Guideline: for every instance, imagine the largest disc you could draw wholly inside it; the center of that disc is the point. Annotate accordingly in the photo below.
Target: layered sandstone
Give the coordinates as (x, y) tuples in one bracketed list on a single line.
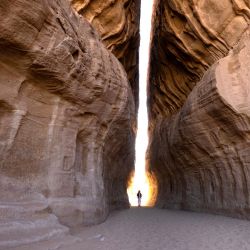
[(188, 37), (200, 107), (117, 21), (67, 115)]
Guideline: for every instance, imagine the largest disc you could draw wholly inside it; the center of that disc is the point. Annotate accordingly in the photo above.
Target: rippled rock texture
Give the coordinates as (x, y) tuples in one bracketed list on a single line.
[(67, 117), (117, 21), (200, 105), (188, 37)]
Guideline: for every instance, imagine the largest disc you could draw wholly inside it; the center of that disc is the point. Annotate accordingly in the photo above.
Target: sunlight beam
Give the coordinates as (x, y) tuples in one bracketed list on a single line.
[(140, 179)]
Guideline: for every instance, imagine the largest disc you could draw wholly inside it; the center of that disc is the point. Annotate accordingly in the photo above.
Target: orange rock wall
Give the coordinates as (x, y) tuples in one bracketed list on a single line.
[(67, 114), (117, 22), (188, 37), (199, 105)]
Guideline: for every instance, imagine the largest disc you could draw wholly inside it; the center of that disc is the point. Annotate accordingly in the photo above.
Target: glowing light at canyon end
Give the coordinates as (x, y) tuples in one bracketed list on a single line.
[(140, 179)]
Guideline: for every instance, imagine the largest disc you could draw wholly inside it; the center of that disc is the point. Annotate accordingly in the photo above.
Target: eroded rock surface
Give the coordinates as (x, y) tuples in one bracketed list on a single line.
[(205, 159), (188, 37), (117, 21), (199, 129), (66, 116)]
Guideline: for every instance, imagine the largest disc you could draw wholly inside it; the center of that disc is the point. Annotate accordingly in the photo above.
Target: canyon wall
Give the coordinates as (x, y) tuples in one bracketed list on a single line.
[(67, 123), (117, 21), (199, 105)]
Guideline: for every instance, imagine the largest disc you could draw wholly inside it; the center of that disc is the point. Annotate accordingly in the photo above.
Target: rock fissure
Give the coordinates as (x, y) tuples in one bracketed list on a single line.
[(69, 80)]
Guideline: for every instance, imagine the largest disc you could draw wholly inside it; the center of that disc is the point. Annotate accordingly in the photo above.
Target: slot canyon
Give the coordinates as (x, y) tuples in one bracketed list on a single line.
[(69, 101)]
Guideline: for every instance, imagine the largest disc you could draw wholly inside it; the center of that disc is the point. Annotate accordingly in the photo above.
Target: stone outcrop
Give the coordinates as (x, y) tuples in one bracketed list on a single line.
[(117, 21), (67, 118), (188, 37), (200, 107)]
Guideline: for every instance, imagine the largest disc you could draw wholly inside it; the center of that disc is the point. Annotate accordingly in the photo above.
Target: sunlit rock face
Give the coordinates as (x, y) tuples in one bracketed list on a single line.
[(117, 21), (66, 116), (200, 105)]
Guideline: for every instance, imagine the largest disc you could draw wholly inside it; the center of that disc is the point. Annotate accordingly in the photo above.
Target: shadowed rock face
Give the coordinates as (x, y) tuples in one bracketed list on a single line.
[(117, 21), (199, 105), (188, 37), (66, 115)]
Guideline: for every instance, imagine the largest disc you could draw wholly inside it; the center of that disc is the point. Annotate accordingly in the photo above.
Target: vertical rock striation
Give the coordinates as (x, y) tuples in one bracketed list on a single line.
[(199, 105), (117, 21), (67, 118)]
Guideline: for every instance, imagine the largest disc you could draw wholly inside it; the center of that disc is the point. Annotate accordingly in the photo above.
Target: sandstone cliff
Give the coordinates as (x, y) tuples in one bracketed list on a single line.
[(67, 119), (188, 37), (117, 21), (199, 105)]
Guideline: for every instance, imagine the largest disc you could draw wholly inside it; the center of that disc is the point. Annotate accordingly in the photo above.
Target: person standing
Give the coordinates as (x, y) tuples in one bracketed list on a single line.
[(139, 196)]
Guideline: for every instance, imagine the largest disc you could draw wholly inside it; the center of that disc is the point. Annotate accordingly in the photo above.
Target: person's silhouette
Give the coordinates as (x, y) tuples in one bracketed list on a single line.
[(139, 196)]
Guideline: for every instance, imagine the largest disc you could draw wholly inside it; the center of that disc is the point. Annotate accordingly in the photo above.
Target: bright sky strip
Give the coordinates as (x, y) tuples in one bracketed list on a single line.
[(140, 181)]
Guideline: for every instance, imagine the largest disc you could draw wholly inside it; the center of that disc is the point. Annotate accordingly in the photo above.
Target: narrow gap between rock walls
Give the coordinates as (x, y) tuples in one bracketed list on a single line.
[(140, 178)]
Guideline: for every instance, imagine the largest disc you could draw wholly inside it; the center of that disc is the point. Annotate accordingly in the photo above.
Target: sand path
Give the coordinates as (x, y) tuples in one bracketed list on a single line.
[(156, 229)]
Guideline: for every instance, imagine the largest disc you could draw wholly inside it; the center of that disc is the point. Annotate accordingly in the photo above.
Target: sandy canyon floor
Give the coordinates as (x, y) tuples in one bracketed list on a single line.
[(156, 229)]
